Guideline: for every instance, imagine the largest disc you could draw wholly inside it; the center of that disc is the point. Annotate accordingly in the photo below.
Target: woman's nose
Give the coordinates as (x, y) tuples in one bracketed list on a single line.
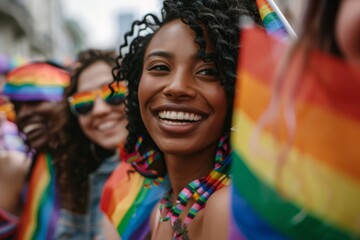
[(180, 86), (100, 107)]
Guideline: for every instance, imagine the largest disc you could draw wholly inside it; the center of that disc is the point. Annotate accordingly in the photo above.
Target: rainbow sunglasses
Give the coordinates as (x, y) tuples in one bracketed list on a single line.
[(83, 102)]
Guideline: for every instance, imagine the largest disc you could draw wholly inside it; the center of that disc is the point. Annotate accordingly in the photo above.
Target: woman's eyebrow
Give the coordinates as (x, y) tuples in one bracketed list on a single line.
[(160, 54)]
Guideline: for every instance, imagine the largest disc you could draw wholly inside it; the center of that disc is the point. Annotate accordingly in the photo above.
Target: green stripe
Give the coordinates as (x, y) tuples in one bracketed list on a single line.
[(270, 17), (44, 197), (139, 198), (277, 211)]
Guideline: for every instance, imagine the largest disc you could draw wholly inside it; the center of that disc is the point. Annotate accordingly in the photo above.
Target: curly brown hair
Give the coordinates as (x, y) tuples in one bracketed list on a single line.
[(78, 160)]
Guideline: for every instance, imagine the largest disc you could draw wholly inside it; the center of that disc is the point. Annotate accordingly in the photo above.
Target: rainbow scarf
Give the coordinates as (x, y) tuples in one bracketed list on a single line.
[(42, 202), (36, 82), (299, 176), (274, 21), (128, 202)]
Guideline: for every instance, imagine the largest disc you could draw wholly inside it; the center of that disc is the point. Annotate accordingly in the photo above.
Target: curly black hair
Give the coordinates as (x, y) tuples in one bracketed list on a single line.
[(219, 18), (78, 160)]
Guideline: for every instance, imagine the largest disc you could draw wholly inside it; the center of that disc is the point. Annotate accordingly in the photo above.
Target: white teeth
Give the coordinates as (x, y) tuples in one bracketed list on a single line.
[(106, 125), (174, 123), (179, 116), (31, 127)]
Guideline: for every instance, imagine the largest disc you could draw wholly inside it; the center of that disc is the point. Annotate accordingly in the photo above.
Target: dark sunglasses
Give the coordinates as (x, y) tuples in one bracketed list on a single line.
[(82, 103)]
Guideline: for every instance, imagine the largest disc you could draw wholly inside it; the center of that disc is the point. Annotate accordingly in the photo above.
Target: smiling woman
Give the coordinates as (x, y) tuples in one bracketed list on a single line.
[(181, 73), (36, 90), (95, 129)]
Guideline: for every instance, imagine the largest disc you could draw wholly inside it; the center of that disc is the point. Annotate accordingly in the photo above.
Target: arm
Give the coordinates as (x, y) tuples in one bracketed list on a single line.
[(13, 169), (216, 215)]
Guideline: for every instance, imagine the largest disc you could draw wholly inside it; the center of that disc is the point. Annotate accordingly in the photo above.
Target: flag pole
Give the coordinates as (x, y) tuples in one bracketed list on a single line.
[(287, 26)]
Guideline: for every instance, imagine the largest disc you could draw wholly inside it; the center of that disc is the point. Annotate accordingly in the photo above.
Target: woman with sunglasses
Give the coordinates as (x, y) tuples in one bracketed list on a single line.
[(96, 127)]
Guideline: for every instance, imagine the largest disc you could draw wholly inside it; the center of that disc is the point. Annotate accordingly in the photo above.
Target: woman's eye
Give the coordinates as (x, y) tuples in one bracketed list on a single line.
[(159, 68), (209, 72)]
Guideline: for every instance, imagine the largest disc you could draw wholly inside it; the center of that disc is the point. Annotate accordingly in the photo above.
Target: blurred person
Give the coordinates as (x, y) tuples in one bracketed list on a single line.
[(180, 70), (96, 129), (297, 128), (36, 90)]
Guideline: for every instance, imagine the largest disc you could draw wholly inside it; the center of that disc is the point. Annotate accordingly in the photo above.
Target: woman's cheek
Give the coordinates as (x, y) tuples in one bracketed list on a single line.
[(348, 29)]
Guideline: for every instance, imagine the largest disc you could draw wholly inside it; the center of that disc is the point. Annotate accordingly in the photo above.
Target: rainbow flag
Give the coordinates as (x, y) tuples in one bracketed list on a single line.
[(274, 21), (297, 175), (42, 202), (128, 203), (36, 81)]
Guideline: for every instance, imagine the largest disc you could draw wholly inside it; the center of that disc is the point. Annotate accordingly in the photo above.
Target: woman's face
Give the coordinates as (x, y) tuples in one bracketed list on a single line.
[(348, 29), (105, 124), (182, 103), (38, 120)]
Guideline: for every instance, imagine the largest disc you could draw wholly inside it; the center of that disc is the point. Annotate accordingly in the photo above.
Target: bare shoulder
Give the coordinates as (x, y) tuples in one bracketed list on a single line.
[(216, 215)]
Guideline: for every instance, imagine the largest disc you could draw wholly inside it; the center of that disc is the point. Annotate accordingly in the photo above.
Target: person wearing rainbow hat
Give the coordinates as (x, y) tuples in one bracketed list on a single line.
[(36, 89)]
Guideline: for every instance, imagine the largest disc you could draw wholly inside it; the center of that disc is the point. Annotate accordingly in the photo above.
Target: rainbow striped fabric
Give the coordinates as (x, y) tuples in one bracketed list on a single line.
[(298, 176), (36, 81), (128, 203), (274, 22), (38, 220)]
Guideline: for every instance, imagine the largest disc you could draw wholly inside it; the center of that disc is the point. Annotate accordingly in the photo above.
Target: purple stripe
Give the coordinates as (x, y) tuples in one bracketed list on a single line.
[(35, 97), (54, 216), (142, 232)]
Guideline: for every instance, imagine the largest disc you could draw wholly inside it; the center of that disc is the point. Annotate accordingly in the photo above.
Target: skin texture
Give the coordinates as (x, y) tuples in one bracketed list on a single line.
[(174, 79), (105, 124), (37, 120), (14, 166), (348, 30)]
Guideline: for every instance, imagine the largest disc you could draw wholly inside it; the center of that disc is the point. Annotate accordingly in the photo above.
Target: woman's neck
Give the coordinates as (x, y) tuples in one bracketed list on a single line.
[(183, 169)]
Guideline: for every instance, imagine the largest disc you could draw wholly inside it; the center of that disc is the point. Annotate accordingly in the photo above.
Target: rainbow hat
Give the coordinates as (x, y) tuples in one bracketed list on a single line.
[(36, 81)]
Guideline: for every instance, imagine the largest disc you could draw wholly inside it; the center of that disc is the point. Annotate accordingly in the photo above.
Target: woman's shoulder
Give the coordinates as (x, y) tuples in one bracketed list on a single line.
[(218, 201), (216, 215)]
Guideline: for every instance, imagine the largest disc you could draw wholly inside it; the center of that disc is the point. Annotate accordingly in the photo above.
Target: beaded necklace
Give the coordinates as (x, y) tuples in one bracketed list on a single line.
[(199, 190)]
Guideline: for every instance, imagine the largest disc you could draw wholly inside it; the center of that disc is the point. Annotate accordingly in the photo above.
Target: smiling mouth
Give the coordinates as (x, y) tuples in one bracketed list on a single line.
[(107, 125), (31, 127), (179, 118)]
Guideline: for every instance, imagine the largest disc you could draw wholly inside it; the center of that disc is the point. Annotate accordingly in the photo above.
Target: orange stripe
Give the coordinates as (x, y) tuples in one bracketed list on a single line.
[(329, 137), (112, 187), (43, 72)]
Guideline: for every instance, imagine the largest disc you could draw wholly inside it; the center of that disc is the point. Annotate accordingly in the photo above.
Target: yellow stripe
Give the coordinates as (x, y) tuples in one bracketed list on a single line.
[(122, 207), (43, 81), (264, 10), (321, 190)]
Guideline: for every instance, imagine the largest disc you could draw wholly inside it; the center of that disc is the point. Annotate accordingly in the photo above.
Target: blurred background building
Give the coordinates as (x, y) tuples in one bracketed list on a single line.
[(58, 29), (37, 29)]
